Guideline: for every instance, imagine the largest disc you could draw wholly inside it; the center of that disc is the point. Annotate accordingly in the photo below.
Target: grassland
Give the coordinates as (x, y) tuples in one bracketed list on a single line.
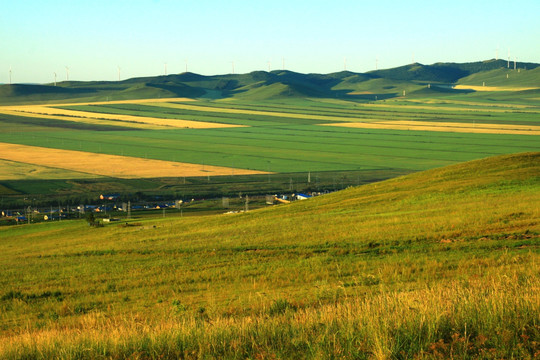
[(439, 264)]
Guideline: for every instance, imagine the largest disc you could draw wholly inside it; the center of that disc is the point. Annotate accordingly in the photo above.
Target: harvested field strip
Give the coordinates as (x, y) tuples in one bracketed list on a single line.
[(73, 115), (445, 126), (110, 165), (492, 88)]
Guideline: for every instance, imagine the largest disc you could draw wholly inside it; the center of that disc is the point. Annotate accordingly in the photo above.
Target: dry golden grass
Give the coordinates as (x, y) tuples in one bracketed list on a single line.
[(492, 88), (444, 126), (50, 112), (110, 165)]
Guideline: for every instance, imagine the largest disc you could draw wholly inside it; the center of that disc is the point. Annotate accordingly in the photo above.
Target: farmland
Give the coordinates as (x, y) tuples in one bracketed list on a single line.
[(357, 144)]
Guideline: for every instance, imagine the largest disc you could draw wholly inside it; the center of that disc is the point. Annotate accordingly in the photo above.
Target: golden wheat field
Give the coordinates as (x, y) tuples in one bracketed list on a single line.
[(492, 88), (50, 112), (110, 165), (444, 126)]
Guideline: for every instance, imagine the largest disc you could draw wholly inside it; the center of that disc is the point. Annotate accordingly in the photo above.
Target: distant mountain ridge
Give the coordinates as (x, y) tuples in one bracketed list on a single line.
[(263, 85)]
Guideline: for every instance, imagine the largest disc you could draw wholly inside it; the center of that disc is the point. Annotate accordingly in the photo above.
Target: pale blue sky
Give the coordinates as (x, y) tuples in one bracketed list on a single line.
[(93, 38)]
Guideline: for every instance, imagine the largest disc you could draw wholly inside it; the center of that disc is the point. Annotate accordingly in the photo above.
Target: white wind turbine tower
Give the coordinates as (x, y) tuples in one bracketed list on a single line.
[(376, 63), (269, 63), (232, 62), (283, 63), (186, 64), (345, 63), (119, 73), (54, 79), (165, 69), (67, 73), (10, 75), (508, 64)]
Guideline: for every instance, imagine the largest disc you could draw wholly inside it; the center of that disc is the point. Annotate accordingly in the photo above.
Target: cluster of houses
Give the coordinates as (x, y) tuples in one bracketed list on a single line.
[(110, 205)]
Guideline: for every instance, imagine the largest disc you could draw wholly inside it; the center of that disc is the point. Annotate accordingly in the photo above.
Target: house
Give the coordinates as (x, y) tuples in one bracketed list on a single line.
[(109, 196)]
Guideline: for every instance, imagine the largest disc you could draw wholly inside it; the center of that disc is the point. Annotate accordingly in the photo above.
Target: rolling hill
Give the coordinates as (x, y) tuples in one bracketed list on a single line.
[(436, 264), (262, 85)]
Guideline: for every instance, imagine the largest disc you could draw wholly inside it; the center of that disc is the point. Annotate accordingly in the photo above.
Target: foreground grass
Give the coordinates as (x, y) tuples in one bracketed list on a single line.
[(492, 318), (433, 265)]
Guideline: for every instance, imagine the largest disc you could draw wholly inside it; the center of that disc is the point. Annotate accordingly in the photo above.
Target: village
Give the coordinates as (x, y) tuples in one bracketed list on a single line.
[(110, 208)]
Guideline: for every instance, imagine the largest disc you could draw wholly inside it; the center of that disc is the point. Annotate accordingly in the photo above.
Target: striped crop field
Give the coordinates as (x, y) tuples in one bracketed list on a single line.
[(57, 113), (285, 136)]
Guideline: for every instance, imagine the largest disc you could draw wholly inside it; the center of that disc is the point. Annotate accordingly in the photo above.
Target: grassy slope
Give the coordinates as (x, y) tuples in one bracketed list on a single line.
[(498, 77), (442, 263)]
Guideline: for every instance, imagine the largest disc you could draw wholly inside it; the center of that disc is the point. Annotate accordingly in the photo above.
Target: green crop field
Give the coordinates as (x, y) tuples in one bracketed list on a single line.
[(287, 136), (437, 264)]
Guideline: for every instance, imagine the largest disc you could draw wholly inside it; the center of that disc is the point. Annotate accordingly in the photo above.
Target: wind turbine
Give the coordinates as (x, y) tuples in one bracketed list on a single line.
[(54, 79), (10, 75), (376, 63), (165, 69), (186, 64), (232, 62), (283, 63), (269, 63), (119, 73), (67, 73), (345, 63), (508, 64)]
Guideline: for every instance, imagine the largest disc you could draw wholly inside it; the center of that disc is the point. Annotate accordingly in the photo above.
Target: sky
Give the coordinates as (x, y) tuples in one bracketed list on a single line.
[(97, 38)]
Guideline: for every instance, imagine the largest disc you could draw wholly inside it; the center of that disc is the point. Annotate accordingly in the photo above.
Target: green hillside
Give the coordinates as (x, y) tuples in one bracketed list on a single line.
[(504, 78), (438, 264), (278, 84)]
